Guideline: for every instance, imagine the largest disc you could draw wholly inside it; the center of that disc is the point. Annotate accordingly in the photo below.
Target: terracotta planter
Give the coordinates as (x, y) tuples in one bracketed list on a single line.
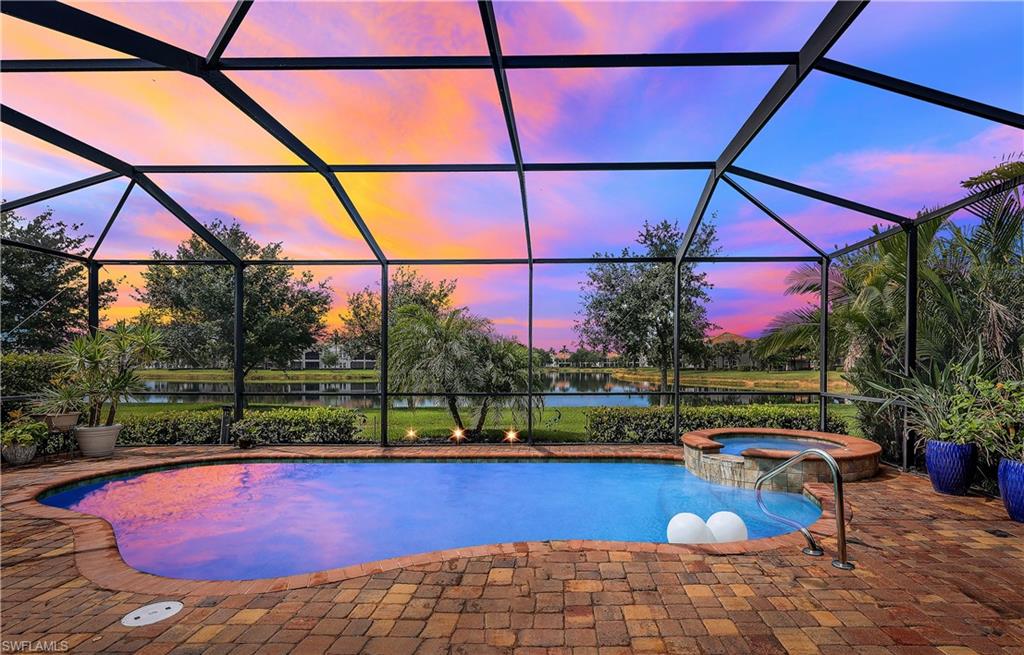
[(61, 422), (98, 441), (18, 454)]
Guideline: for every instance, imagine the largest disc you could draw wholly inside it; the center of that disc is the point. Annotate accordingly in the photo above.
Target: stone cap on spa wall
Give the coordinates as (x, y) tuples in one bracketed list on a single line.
[(853, 447)]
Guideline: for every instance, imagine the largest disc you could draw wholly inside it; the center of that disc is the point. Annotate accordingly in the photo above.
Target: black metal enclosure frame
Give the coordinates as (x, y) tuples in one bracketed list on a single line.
[(149, 54)]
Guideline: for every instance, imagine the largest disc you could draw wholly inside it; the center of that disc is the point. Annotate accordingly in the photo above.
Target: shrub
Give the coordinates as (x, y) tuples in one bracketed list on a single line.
[(176, 427), (300, 425), (654, 424), (24, 374), (23, 433)]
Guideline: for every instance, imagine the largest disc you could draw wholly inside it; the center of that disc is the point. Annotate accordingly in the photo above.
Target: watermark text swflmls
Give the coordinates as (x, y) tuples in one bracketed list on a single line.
[(37, 646)]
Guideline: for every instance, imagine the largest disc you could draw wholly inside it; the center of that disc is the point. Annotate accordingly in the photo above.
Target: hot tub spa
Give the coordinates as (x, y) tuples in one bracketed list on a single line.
[(738, 456), (268, 518)]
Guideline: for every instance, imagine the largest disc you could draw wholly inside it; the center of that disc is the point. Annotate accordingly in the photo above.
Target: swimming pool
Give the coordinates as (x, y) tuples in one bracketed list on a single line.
[(258, 519), (736, 445)]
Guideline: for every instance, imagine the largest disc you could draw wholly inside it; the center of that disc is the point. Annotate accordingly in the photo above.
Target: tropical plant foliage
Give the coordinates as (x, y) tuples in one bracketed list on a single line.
[(451, 353), (101, 369), (971, 299)]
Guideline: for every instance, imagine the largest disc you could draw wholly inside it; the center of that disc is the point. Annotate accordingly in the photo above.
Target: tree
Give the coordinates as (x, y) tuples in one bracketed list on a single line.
[(284, 311), (628, 308), (450, 353), (44, 301), (360, 329)]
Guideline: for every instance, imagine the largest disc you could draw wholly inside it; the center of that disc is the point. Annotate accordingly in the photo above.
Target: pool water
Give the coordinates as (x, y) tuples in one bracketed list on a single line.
[(232, 521), (736, 445)]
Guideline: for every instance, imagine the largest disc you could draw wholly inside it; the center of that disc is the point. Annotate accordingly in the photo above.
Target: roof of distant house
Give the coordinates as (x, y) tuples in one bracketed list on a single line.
[(729, 337)]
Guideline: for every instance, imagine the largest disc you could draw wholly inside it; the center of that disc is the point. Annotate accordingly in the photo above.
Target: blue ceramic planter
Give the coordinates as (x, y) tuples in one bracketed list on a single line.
[(951, 466), (1011, 488)]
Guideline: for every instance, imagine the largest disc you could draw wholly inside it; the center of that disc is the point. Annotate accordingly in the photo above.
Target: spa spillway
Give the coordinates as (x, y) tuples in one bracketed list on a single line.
[(738, 456)]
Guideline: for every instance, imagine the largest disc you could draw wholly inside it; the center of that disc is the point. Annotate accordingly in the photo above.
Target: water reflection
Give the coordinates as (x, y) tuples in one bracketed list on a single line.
[(262, 519), (362, 395)]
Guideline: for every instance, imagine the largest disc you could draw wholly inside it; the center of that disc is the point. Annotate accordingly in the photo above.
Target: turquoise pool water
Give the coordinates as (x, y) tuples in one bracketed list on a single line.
[(258, 519), (736, 445)]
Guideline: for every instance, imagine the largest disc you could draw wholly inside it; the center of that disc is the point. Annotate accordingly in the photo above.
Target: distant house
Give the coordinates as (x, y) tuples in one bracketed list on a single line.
[(332, 356), (730, 351), (735, 351)]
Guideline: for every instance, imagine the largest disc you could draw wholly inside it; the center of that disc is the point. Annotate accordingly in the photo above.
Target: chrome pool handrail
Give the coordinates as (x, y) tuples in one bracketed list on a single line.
[(840, 562)]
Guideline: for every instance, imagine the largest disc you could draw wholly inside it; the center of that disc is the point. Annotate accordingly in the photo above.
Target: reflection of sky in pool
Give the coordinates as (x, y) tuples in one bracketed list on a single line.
[(264, 519), (736, 445)]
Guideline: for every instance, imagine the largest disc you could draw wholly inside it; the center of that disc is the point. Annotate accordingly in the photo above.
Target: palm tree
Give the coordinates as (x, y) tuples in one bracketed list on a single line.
[(436, 354), (452, 353)]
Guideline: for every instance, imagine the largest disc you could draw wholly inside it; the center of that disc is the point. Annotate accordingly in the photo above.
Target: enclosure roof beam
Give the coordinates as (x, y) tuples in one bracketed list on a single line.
[(919, 92), (43, 250), (89, 27), (433, 168), (840, 17), (820, 195), (55, 137), (941, 212), (83, 25), (417, 62), (874, 238), (60, 190), (966, 202), (231, 25), (113, 217), (494, 47), (775, 217)]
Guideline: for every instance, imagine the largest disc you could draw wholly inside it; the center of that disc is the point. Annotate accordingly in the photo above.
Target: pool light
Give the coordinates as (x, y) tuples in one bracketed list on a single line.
[(511, 436), (458, 435), (410, 435)]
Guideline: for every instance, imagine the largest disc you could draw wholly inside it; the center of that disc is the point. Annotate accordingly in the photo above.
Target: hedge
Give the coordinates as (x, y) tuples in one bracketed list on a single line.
[(24, 374), (301, 425), (178, 427), (654, 424), (283, 425)]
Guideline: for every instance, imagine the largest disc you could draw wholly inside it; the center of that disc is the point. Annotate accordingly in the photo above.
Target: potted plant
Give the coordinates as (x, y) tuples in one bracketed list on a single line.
[(1006, 441), (60, 406), (941, 408), (102, 367), (20, 438)]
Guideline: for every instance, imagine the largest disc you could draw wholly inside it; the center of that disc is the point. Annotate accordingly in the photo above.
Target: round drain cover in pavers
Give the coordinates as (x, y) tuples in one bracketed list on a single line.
[(151, 613)]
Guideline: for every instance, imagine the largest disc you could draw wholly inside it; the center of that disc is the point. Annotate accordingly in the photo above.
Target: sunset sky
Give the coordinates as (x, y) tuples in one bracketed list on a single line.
[(834, 135)]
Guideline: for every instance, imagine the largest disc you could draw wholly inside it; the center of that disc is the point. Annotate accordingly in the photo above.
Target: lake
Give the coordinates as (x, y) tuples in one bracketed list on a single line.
[(563, 390)]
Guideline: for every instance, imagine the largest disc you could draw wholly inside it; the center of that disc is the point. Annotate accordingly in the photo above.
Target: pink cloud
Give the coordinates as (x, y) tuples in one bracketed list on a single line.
[(914, 178)]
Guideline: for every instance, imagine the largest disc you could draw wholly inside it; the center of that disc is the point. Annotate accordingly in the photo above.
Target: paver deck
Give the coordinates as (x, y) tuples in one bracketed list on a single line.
[(935, 574)]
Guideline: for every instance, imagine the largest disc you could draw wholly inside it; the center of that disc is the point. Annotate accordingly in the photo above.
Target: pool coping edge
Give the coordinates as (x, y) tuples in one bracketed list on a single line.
[(98, 558)]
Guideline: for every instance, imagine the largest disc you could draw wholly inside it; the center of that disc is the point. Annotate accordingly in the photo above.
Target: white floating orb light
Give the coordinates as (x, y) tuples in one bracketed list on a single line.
[(687, 528), (727, 526)]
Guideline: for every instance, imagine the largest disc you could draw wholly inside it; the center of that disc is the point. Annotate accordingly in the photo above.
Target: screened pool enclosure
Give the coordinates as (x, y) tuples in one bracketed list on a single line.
[(480, 145)]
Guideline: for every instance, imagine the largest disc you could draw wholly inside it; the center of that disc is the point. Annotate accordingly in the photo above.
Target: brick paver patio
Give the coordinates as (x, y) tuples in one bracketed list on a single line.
[(934, 574)]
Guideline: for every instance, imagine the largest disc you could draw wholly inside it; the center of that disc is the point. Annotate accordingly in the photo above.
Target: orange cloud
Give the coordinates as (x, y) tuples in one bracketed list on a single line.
[(145, 118), (397, 116)]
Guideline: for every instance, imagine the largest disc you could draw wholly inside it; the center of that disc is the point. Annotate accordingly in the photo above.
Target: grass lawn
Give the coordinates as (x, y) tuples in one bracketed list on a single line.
[(749, 380), (555, 424)]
